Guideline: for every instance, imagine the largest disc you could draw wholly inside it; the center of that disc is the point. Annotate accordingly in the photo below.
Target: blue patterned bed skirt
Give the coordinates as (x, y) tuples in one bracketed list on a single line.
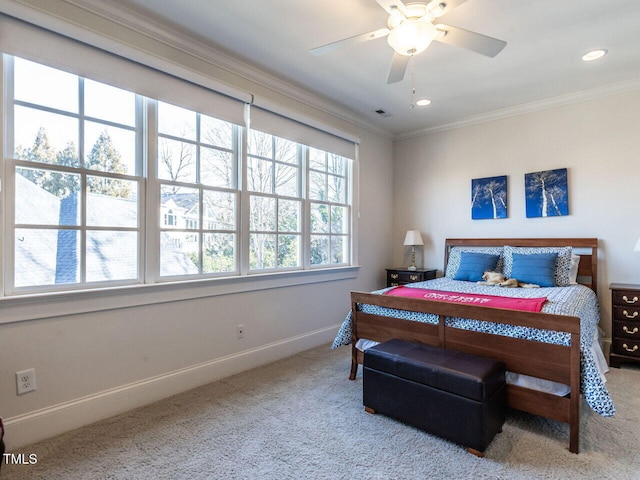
[(574, 300)]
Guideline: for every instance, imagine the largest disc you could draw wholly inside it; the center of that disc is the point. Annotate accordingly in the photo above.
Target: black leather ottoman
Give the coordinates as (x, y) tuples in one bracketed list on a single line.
[(457, 396)]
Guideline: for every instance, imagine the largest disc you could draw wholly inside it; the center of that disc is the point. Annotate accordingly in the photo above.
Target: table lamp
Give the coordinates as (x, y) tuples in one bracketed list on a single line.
[(413, 238)]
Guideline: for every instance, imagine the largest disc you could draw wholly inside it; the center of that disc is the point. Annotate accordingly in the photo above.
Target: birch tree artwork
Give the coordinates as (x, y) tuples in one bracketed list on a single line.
[(547, 193), (489, 197)]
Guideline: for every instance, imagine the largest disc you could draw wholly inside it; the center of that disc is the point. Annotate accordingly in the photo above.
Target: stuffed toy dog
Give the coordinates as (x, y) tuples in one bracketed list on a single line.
[(497, 278)]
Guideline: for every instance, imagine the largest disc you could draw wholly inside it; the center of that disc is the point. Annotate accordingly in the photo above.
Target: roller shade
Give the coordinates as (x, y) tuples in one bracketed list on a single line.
[(297, 131), (39, 45), (25, 40)]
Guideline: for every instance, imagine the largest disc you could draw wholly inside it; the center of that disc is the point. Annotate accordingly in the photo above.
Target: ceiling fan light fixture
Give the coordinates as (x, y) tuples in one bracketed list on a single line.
[(412, 36), (436, 9)]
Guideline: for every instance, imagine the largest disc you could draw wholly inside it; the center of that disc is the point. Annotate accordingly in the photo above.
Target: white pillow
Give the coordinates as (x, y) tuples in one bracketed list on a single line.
[(573, 269)]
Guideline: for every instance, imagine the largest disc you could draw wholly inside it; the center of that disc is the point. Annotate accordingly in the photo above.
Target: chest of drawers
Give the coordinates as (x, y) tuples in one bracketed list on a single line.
[(402, 276), (625, 313)]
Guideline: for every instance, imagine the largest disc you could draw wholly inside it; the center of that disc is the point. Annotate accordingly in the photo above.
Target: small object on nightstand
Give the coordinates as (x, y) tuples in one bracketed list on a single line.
[(402, 276), (625, 317)]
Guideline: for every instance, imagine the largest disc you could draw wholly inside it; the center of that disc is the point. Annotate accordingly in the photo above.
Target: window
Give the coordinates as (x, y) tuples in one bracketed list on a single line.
[(197, 168), (107, 187), (76, 196), (169, 217), (330, 212), (273, 178)]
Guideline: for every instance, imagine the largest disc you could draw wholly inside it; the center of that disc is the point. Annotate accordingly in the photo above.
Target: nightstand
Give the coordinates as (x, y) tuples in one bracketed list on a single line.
[(625, 318), (402, 276)]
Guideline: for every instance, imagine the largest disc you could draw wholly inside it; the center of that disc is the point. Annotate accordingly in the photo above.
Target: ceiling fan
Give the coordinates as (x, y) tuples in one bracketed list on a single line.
[(411, 29)]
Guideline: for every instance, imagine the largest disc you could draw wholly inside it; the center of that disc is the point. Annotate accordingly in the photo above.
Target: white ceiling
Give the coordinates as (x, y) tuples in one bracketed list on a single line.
[(542, 59)]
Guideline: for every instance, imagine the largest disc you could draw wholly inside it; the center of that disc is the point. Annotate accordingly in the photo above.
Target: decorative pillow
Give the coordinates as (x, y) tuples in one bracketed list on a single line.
[(562, 267), (453, 262), (536, 268), (573, 269), (454, 258), (473, 265)]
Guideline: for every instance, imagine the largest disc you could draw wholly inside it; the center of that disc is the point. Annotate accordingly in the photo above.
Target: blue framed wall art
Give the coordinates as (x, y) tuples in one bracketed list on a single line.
[(489, 197), (547, 193)]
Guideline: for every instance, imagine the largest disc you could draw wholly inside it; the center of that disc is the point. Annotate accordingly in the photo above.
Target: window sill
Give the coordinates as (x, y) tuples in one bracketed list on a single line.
[(37, 306)]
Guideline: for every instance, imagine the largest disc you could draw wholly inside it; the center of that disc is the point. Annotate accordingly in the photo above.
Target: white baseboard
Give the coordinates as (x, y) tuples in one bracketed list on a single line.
[(23, 430)]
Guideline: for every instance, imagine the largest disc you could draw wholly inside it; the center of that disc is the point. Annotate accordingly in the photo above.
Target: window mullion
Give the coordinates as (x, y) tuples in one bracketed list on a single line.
[(200, 230), (142, 164), (7, 171), (200, 226), (244, 209), (83, 184), (83, 228), (353, 176), (305, 225), (152, 207)]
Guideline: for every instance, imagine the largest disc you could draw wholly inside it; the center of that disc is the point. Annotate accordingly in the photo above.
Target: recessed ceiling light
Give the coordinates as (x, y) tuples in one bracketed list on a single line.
[(594, 55), (423, 102)]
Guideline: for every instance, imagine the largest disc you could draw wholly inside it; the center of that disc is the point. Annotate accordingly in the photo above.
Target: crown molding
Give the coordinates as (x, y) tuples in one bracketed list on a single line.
[(532, 107), (54, 13), (189, 44)]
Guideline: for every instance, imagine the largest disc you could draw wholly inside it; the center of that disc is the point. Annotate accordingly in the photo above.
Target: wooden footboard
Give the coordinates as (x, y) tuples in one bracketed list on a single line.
[(542, 360)]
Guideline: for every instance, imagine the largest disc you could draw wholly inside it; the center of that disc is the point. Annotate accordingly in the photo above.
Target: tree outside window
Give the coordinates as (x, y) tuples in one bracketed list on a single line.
[(81, 181)]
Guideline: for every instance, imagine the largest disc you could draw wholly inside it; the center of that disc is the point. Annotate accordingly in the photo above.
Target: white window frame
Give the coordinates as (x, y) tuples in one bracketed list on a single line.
[(12, 164), (153, 178), (348, 204), (16, 307), (301, 198)]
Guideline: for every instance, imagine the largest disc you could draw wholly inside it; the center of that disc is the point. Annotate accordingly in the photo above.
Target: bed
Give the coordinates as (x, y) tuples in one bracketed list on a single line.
[(551, 356)]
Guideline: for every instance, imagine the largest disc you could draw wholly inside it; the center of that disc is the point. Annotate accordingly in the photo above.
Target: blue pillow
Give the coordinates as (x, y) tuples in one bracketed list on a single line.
[(454, 258), (563, 263), (473, 265), (536, 268)]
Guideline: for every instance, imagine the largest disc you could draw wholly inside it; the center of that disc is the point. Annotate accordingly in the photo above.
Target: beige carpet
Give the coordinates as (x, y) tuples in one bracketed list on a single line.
[(302, 418)]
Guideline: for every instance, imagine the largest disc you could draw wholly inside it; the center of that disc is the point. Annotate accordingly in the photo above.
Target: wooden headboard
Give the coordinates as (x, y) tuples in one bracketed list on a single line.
[(587, 248)]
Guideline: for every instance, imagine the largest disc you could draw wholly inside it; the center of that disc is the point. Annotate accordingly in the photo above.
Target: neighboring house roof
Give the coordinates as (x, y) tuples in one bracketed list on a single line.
[(185, 201), (38, 205), (49, 256), (35, 250)]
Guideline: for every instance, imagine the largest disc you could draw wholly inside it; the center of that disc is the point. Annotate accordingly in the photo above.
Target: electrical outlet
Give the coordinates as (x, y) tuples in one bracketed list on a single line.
[(240, 331), (26, 381)]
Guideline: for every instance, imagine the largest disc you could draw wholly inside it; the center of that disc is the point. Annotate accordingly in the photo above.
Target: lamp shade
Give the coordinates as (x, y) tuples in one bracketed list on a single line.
[(637, 247), (413, 237)]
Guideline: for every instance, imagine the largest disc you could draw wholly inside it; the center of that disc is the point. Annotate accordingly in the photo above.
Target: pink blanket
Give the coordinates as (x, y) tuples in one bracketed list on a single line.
[(527, 304)]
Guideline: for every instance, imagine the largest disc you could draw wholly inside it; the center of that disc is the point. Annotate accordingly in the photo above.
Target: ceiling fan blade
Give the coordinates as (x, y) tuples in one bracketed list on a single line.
[(398, 68), (363, 37), (473, 41), (446, 6), (392, 5)]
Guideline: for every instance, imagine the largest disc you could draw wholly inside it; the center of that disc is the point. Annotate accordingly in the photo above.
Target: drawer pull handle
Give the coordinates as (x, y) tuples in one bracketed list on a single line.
[(630, 332), (626, 299), (416, 277), (626, 314), (626, 347), (394, 275)]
